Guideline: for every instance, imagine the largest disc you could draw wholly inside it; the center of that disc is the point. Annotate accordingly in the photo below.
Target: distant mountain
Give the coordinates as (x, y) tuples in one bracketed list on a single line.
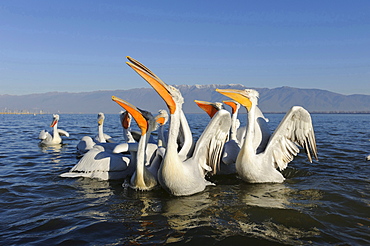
[(271, 100)]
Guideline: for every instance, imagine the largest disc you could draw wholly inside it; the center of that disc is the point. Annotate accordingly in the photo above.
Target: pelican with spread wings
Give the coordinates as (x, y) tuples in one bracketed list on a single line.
[(295, 130)]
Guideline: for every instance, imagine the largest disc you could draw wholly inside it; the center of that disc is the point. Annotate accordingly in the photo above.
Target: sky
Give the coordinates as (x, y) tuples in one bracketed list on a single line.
[(81, 46)]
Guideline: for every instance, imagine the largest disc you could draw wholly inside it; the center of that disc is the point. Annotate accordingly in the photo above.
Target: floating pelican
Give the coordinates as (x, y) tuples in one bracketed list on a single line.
[(231, 149), (178, 177), (47, 138), (125, 118), (102, 137), (162, 119), (99, 161), (295, 129), (87, 143), (145, 176)]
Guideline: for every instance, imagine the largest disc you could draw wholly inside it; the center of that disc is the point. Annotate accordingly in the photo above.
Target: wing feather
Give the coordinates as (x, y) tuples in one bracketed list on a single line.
[(209, 147), (63, 133), (295, 130)]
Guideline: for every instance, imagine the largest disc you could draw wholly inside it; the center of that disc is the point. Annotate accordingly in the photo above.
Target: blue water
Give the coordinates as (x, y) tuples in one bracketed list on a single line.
[(326, 202)]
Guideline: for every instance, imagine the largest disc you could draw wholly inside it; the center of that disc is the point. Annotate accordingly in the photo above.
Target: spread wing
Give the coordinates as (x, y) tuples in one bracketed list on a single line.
[(294, 130), (209, 147), (63, 133), (45, 135)]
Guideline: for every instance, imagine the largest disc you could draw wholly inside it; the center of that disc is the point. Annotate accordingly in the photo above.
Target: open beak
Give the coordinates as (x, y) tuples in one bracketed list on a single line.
[(135, 113), (232, 104), (126, 120), (159, 86), (208, 107), (237, 95)]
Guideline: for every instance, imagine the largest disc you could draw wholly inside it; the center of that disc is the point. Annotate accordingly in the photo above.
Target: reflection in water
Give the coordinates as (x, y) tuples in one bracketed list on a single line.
[(265, 195), (186, 213), (270, 215), (55, 151)]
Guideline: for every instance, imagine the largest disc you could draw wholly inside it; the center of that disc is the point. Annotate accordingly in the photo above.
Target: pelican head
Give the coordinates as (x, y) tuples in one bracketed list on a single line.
[(101, 118), (125, 118), (162, 117), (209, 107), (55, 120)]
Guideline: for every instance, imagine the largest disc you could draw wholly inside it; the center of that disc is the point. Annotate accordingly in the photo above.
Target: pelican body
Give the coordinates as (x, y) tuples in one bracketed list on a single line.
[(55, 139), (294, 130)]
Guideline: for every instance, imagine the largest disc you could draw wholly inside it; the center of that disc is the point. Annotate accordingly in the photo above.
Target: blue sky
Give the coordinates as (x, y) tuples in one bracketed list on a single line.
[(77, 46)]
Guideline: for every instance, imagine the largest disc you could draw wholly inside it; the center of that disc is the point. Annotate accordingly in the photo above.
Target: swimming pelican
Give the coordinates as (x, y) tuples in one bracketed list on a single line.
[(145, 176), (162, 119), (230, 152), (47, 138), (295, 129), (125, 118), (87, 143), (232, 147), (99, 161), (178, 177)]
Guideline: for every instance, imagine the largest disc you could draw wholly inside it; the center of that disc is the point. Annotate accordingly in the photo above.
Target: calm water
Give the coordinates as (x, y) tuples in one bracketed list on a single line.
[(326, 202)]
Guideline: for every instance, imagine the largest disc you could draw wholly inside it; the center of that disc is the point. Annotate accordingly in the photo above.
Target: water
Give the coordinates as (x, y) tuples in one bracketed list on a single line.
[(326, 202)]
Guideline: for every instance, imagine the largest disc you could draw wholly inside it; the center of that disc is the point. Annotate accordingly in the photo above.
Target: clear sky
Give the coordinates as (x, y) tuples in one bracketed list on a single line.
[(76, 46)]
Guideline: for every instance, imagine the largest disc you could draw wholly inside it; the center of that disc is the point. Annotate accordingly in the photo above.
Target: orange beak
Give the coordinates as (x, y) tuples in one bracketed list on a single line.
[(159, 86), (207, 107), (232, 104), (135, 112), (237, 95)]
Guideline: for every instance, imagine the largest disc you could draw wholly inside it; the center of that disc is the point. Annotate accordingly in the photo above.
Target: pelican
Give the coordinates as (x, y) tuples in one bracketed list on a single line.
[(162, 119), (145, 176), (128, 135), (294, 130), (231, 149), (99, 161), (87, 143), (185, 177), (102, 137), (47, 138)]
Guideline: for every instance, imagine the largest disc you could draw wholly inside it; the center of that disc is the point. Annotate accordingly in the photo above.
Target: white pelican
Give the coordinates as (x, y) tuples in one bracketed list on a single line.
[(47, 138), (145, 176), (230, 152), (125, 118), (232, 147), (87, 143), (102, 137), (295, 129), (178, 177), (162, 119), (99, 161)]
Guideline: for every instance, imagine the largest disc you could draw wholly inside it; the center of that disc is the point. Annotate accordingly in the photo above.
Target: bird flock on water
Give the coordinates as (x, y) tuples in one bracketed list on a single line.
[(177, 163)]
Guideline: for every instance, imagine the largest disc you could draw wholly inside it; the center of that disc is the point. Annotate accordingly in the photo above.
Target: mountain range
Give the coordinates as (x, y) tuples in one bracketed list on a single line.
[(276, 100)]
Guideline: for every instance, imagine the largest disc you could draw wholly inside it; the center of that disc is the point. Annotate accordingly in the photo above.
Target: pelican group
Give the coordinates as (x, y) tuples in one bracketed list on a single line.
[(182, 166)]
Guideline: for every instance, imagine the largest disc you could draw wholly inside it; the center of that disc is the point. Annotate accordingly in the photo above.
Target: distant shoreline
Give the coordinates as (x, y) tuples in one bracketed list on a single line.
[(20, 113)]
